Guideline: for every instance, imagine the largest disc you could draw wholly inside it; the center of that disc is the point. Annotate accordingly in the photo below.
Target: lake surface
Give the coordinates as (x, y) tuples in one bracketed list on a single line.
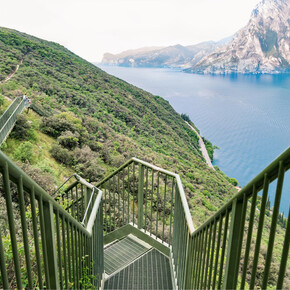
[(248, 117)]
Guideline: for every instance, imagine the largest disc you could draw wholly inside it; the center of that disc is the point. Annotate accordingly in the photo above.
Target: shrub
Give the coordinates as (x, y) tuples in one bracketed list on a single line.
[(24, 152), (68, 139), (22, 129), (61, 154)]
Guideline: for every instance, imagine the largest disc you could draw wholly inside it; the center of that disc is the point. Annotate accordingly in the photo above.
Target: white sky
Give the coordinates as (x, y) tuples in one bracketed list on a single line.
[(90, 28)]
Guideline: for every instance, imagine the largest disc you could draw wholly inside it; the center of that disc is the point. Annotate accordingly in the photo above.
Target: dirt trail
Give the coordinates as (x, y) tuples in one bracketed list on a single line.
[(202, 147), (12, 74)]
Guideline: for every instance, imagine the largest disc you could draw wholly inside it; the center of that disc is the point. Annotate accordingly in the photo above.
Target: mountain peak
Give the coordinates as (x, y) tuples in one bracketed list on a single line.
[(262, 46)]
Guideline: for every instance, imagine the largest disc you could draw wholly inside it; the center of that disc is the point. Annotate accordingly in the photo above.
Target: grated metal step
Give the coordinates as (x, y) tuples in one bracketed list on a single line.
[(150, 271), (122, 253)]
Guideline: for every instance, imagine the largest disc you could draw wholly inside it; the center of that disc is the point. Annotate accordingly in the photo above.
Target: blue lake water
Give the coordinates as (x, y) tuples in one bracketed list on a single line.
[(247, 116)]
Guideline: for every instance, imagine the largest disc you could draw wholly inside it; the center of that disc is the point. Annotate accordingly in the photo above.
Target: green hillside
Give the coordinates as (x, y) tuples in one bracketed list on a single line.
[(96, 122)]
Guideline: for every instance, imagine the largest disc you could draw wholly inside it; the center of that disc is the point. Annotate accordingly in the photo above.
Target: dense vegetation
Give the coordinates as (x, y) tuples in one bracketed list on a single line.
[(92, 122), (99, 121)]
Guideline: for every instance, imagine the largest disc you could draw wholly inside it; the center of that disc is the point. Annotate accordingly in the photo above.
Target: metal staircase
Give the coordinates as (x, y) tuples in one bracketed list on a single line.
[(9, 117), (134, 230)]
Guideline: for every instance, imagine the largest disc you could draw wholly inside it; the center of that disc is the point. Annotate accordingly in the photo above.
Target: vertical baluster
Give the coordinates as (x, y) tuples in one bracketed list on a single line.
[(146, 199), (4, 278), (171, 211), (199, 260), (119, 195), (43, 242), (223, 248), (57, 221), (50, 245), (189, 262), (283, 263), (68, 250), (82, 201), (151, 212), (133, 193), (64, 252), (260, 231), (198, 242), (217, 251), (129, 191), (11, 224), (273, 224), (114, 201), (212, 250), (73, 255), (105, 206), (164, 207), (205, 251), (194, 253), (76, 257), (208, 253), (234, 244), (123, 195), (249, 237), (80, 255), (24, 230), (77, 204), (157, 203), (140, 196)]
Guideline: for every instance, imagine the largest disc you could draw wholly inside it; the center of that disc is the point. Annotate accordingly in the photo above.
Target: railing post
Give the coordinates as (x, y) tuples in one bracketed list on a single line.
[(50, 245), (140, 196), (235, 240), (188, 262)]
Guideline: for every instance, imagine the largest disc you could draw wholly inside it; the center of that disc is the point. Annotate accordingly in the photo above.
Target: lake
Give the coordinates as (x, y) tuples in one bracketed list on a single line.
[(246, 116)]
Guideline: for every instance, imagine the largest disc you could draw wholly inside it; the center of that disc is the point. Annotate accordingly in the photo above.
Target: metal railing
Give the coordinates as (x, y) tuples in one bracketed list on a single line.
[(5, 116), (77, 198), (41, 244), (219, 254), (9, 117), (59, 244)]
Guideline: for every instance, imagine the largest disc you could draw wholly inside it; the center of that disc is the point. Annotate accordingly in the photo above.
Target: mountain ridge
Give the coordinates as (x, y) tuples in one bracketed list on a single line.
[(262, 46)]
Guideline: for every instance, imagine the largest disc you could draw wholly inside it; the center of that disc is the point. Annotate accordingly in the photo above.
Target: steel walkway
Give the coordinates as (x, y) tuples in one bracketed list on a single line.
[(133, 264), (134, 230)]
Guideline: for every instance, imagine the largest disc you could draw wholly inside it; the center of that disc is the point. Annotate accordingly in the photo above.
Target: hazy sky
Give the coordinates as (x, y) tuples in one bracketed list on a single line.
[(90, 28)]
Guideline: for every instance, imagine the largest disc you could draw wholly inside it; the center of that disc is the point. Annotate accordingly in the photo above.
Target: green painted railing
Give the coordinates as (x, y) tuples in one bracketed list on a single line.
[(57, 241), (5, 116), (9, 117), (225, 251), (45, 246)]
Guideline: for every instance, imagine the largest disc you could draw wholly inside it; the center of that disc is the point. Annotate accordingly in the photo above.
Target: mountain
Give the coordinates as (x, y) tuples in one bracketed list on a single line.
[(94, 122), (262, 46), (176, 56)]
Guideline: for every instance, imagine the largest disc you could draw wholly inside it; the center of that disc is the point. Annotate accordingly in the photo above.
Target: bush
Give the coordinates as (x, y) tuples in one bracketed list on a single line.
[(68, 139), (61, 154), (57, 124), (24, 152), (22, 129)]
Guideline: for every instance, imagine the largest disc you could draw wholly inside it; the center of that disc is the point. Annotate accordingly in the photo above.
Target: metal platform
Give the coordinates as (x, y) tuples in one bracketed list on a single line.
[(134, 264)]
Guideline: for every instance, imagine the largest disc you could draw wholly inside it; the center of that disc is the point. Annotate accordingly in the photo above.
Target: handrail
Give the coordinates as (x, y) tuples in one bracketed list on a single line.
[(11, 120), (8, 111), (197, 258), (158, 169), (30, 185)]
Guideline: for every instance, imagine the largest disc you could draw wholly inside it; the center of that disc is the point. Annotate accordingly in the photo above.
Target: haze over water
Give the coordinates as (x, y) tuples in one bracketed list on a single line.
[(247, 116)]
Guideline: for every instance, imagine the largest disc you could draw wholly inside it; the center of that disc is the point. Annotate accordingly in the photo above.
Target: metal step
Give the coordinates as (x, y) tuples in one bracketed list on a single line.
[(122, 253), (150, 271)]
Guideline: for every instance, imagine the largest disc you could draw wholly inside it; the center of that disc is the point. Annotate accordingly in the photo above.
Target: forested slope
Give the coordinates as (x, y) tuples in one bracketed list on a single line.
[(96, 122)]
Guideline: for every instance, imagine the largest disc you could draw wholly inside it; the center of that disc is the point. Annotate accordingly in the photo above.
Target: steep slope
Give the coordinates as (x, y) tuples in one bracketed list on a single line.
[(98, 121), (176, 56), (260, 47)]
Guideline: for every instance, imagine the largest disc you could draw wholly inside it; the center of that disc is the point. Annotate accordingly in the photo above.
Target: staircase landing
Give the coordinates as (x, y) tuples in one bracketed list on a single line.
[(131, 263)]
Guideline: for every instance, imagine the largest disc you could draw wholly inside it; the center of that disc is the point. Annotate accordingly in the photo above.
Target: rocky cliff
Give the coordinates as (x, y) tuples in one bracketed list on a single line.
[(262, 46)]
